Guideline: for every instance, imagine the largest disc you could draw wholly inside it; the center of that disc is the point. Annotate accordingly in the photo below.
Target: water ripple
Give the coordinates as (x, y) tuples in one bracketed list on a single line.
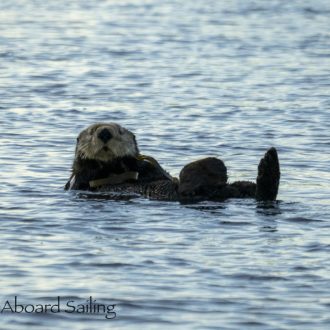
[(191, 79)]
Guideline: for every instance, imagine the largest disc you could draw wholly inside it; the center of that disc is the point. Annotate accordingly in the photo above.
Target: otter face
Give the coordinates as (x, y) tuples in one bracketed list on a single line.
[(106, 142)]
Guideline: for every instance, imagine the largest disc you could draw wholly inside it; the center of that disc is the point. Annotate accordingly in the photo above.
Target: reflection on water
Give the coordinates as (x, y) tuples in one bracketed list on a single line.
[(190, 79)]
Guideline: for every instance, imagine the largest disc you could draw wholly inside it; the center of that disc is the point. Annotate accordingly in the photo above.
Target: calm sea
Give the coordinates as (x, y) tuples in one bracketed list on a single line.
[(190, 79)]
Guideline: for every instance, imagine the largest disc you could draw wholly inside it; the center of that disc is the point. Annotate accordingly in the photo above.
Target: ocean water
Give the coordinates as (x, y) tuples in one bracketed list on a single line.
[(190, 79)]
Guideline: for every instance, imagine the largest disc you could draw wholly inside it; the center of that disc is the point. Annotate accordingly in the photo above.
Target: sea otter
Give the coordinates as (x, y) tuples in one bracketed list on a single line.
[(107, 159)]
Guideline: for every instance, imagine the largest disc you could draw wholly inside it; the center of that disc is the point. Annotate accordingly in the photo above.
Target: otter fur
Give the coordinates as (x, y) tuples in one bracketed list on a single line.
[(106, 149), (107, 159)]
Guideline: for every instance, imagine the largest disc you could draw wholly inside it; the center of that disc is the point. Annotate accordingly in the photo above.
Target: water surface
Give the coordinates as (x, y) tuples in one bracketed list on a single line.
[(190, 79)]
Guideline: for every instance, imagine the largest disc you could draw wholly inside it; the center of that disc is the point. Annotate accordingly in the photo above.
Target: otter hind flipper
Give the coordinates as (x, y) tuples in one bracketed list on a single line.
[(268, 178)]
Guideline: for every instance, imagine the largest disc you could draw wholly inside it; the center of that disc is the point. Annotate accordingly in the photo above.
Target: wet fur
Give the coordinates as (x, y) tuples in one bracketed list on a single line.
[(205, 179), (92, 162), (122, 144)]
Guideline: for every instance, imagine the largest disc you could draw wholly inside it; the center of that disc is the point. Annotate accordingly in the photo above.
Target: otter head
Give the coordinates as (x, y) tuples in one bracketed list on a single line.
[(106, 142)]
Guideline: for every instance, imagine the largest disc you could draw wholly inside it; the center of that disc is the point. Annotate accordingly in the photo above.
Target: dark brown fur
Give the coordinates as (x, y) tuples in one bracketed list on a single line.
[(205, 179)]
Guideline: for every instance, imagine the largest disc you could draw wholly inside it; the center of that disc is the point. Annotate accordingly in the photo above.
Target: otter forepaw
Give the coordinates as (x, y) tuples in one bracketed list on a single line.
[(268, 178)]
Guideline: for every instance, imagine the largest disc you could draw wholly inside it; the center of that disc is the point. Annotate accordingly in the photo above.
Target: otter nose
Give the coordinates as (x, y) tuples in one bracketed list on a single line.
[(104, 135)]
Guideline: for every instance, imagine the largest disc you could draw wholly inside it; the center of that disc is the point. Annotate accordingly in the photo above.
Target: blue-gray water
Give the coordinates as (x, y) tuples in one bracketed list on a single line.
[(190, 78)]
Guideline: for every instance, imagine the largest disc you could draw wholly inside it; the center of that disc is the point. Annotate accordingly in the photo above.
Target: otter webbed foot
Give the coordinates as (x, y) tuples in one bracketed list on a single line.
[(268, 178)]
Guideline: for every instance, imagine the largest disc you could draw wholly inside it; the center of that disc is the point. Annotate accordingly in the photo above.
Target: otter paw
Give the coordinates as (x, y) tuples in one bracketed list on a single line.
[(268, 178)]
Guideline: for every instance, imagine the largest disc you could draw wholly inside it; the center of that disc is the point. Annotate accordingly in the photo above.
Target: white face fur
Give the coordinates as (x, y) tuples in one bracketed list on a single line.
[(105, 142)]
